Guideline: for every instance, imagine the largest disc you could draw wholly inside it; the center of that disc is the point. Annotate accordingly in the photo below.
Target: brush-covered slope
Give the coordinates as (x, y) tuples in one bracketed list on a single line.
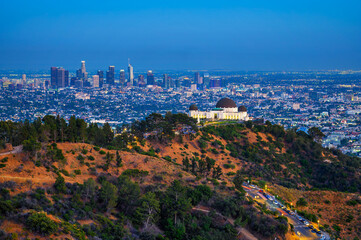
[(290, 158), (162, 178)]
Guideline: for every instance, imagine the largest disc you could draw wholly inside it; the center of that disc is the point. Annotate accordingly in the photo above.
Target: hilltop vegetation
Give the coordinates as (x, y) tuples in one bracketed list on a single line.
[(290, 158), (162, 178)]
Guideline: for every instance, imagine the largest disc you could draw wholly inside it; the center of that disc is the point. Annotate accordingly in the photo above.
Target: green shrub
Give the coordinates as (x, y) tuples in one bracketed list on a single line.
[(2, 165), (353, 202), (349, 218), (301, 202), (39, 222), (228, 166), (59, 184), (157, 178), (135, 173), (215, 182), (202, 144), (168, 158), (231, 173), (77, 172), (4, 160), (214, 151), (309, 216), (65, 172), (91, 158), (75, 230), (84, 151), (96, 148), (336, 227), (102, 152)]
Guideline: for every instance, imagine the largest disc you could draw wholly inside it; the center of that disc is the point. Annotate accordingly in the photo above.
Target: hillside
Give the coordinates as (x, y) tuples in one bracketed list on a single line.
[(66, 180), (149, 182), (268, 152), (85, 159)]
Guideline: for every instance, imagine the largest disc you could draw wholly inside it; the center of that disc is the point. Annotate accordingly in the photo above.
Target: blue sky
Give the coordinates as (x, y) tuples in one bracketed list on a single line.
[(167, 34)]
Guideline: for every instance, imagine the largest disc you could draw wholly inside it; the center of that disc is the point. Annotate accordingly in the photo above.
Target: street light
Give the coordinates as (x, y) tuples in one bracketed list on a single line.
[(318, 223)]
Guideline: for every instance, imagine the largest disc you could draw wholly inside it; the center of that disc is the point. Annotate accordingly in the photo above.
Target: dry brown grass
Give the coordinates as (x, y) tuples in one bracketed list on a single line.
[(32, 177), (334, 212)]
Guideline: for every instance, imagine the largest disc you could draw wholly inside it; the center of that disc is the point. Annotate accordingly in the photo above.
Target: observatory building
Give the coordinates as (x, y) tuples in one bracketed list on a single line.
[(226, 109)]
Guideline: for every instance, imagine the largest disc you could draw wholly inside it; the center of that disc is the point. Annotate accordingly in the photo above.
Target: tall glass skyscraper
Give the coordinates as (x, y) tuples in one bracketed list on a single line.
[(150, 78), (111, 75), (131, 74), (122, 78)]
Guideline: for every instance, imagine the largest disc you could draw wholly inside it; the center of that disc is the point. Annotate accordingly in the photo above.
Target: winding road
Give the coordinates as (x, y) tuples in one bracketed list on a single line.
[(300, 228)]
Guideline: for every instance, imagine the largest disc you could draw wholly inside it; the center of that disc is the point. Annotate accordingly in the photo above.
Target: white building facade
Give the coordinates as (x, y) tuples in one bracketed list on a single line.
[(226, 109)]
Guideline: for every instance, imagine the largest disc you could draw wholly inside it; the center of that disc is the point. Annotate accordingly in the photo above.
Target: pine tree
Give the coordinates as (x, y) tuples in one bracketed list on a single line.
[(210, 163), (175, 202), (108, 195), (89, 189), (118, 159), (217, 172), (148, 211), (108, 133), (194, 165), (186, 164), (59, 184)]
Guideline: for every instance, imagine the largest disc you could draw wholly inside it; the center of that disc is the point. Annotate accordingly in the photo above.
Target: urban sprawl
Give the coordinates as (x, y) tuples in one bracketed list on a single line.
[(330, 100)]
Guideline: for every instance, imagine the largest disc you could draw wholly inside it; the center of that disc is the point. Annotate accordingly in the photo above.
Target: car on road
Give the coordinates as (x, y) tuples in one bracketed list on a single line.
[(304, 221), (311, 226)]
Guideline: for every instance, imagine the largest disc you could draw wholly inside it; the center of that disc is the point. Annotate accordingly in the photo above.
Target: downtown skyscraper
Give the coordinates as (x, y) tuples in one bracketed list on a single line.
[(59, 77), (111, 76), (122, 78), (167, 81), (81, 73), (150, 78), (130, 74), (100, 73)]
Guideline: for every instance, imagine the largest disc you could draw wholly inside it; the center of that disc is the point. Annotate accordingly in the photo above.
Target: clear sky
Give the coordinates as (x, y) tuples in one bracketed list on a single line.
[(174, 34)]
